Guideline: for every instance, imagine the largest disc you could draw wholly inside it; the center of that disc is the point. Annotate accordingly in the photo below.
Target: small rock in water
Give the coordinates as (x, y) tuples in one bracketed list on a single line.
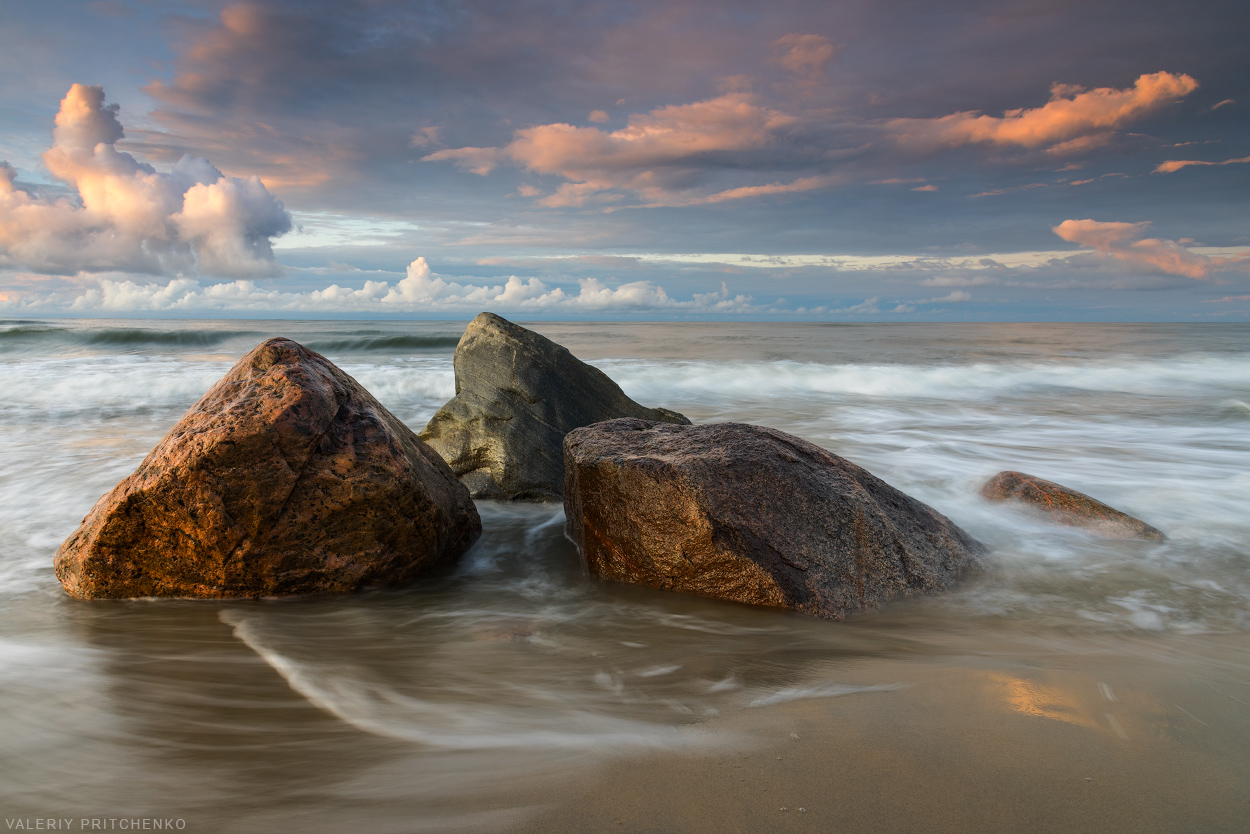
[(754, 515), (287, 477), (1067, 506), (517, 395)]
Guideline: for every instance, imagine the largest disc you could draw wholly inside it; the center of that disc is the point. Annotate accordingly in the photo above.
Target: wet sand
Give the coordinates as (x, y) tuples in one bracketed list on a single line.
[(1076, 737)]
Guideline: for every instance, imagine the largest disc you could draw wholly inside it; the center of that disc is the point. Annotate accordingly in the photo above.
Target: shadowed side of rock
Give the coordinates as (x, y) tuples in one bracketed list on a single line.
[(287, 477), (1067, 506), (517, 395), (754, 515)]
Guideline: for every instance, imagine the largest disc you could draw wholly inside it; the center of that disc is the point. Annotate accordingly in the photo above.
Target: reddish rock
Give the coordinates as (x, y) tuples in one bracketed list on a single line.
[(753, 515), (1067, 506), (287, 477)]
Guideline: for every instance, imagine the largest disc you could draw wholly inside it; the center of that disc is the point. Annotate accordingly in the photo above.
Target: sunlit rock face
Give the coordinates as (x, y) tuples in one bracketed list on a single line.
[(1066, 506), (754, 515), (517, 395), (287, 477)]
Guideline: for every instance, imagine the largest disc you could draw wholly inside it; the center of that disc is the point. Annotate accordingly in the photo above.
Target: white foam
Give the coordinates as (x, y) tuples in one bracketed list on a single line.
[(823, 690), (1178, 375), (455, 724)]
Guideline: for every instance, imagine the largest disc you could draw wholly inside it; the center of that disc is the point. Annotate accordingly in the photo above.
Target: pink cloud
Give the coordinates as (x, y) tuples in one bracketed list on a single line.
[(1124, 242), (658, 155), (805, 55), (1074, 119), (130, 216), (801, 184), (1173, 165)]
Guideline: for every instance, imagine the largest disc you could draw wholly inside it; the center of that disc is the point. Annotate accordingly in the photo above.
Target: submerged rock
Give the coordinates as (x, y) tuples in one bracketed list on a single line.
[(517, 395), (287, 477), (1067, 506), (754, 515)]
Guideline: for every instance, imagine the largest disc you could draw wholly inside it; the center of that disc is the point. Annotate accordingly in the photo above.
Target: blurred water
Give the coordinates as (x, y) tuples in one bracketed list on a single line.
[(515, 672)]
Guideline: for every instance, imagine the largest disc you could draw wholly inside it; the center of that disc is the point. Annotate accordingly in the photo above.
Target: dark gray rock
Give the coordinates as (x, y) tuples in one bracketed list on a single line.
[(517, 395), (1063, 505), (754, 515), (287, 477)]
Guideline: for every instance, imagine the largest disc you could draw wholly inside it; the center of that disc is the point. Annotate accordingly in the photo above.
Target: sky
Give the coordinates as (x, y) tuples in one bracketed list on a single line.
[(861, 160)]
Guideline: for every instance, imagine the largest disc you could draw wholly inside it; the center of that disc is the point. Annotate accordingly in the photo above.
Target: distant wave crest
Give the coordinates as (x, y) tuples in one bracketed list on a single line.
[(29, 334), (384, 343)]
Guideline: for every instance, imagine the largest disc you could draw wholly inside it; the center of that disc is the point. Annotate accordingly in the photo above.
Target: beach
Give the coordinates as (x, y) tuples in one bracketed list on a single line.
[(1078, 683)]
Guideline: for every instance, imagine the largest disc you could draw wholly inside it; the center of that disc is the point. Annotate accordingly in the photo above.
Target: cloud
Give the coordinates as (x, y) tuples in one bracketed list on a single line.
[(1124, 243), (677, 155), (127, 215), (662, 156), (425, 137), (1173, 165), (598, 116), (961, 279), (998, 192), (1074, 119), (420, 290), (805, 55), (801, 184), (867, 307), (954, 297)]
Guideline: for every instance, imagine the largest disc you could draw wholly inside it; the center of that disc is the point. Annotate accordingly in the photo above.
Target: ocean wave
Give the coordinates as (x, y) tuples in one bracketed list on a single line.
[(1168, 376), (39, 334), (396, 343), (171, 338), (63, 386)]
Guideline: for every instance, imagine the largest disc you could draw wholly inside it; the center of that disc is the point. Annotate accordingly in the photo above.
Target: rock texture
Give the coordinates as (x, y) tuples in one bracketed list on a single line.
[(517, 395), (754, 515), (1067, 506), (287, 477)]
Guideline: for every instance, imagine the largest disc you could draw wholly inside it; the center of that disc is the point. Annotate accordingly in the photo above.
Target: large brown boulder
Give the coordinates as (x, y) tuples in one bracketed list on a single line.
[(1066, 506), (287, 477), (517, 395), (754, 515)]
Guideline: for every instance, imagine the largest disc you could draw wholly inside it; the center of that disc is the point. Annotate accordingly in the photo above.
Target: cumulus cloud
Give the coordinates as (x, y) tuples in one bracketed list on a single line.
[(1073, 120), (420, 290), (1173, 165), (662, 156), (1124, 242), (127, 215)]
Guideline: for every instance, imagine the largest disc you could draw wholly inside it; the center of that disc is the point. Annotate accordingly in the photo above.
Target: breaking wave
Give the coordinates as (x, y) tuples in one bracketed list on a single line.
[(390, 344)]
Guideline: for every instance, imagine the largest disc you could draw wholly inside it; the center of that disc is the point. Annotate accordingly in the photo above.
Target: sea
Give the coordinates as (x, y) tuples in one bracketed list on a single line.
[(1077, 683)]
